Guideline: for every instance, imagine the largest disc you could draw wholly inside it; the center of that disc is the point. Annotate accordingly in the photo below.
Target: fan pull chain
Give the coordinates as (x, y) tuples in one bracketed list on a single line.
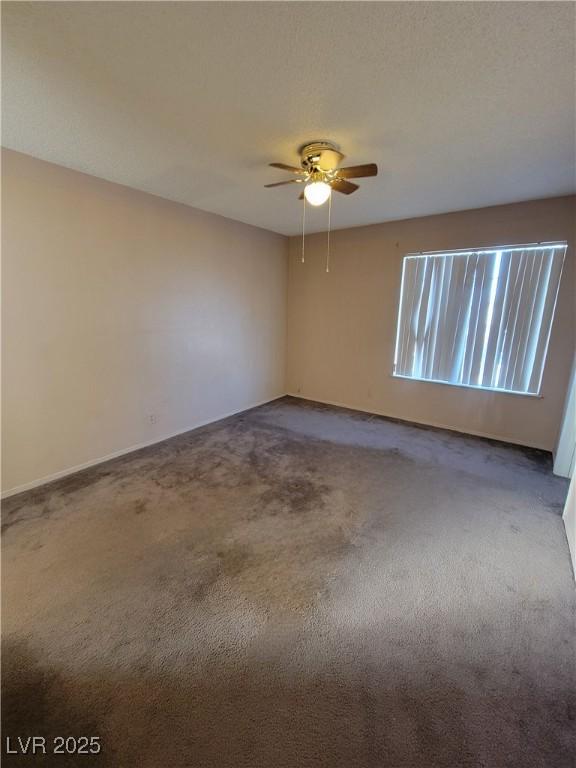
[(328, 238), (303, 224)]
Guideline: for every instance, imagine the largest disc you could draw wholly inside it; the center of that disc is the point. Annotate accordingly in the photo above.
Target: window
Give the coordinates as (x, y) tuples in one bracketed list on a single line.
[(478, 318)]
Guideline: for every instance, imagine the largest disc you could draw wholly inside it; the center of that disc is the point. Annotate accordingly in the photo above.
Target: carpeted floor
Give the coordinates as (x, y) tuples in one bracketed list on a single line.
[(296, 586)]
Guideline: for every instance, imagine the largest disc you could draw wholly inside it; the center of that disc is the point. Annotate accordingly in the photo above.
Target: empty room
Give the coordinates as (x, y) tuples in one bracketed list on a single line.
[(288, 384)]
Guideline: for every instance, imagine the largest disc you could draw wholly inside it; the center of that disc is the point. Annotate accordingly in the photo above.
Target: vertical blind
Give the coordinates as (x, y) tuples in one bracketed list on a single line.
[(479, 318)]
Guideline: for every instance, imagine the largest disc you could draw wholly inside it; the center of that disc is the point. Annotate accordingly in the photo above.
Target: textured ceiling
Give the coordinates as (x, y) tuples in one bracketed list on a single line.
[(462, 105)]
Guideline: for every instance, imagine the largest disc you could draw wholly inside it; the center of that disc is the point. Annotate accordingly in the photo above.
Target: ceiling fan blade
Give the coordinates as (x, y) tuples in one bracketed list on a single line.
[(280, 183), (284, 167), (301, 196), (346, 187), (358, 171)]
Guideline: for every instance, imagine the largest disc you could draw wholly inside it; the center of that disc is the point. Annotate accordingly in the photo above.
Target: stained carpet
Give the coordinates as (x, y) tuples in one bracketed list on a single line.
[(296, 586)]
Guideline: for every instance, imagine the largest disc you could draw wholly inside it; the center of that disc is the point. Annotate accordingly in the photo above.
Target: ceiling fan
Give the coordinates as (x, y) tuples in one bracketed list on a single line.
[(320, 173)]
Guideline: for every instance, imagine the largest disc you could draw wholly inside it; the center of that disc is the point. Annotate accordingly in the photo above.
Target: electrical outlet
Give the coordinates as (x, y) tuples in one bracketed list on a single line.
[(152, 418)]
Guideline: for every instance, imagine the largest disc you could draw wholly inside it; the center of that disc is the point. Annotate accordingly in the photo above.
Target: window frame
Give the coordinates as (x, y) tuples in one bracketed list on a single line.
[(463, 252)]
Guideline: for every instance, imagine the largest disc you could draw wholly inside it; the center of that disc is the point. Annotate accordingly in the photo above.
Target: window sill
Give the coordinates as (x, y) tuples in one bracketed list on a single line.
[(538, 396)]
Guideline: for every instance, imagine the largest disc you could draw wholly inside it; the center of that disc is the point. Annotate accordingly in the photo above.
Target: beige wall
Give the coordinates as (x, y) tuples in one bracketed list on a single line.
[(120, 307), (342, 325)]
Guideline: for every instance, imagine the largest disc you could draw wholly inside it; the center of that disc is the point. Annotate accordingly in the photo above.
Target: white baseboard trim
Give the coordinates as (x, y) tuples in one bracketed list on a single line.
[(123, 451), (436, 424)]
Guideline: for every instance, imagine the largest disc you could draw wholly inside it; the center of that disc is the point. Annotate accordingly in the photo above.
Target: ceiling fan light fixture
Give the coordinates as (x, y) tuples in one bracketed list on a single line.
[(317, 192)]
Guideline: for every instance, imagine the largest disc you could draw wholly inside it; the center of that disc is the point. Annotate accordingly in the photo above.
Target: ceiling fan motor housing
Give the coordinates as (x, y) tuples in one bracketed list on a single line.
[(320, 156)]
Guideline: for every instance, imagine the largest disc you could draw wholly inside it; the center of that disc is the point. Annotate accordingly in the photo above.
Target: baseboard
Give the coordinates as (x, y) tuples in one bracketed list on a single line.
[(435, 424), (123, 451)]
